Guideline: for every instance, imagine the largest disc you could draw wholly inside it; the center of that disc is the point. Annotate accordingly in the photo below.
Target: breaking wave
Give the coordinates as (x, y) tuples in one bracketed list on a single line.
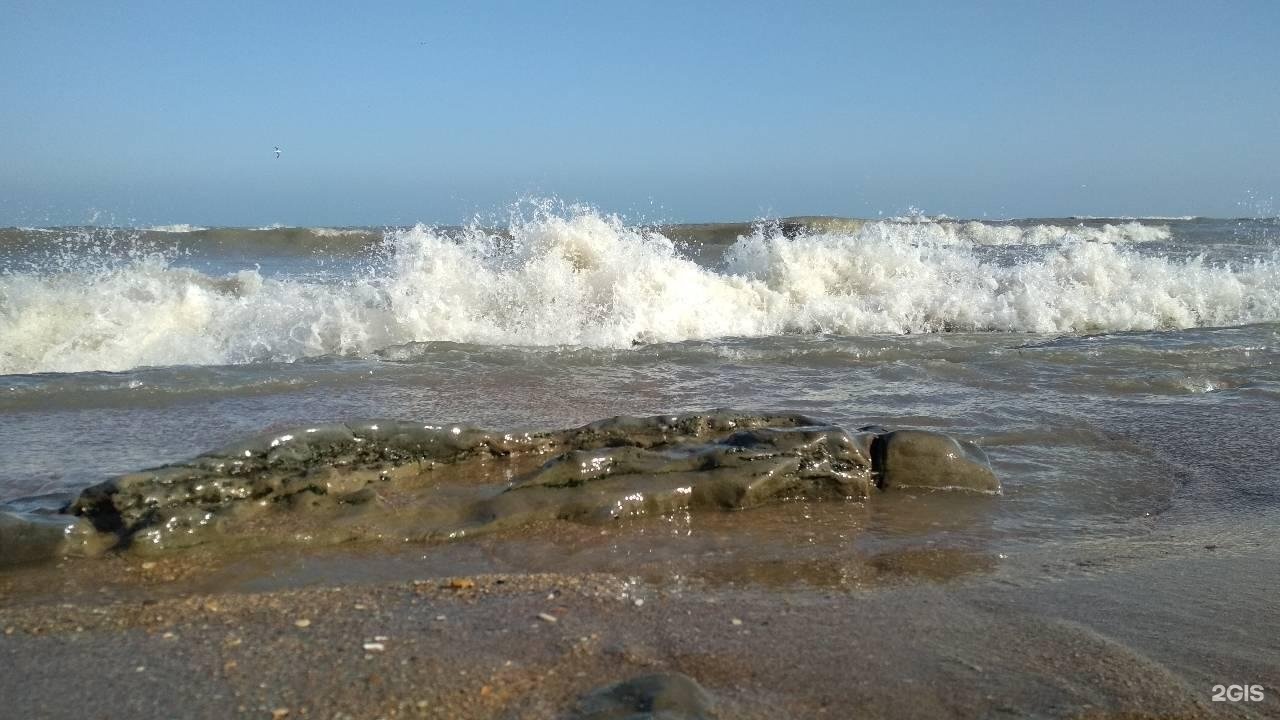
[(578, 278)]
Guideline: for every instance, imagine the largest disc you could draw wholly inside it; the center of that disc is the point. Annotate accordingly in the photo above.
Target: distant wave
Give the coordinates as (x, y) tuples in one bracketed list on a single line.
[(582, 279), (184, 236), (1139, 218), (931, 230), (973, 232), (919, 229), (338, 232), (176, 228)]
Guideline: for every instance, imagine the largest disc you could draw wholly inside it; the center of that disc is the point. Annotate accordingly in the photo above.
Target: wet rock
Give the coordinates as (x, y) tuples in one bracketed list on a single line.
[(916, 458), (660, 430), (599, 472), (321, 459), (664, 696), (183, 526), (745, 469), (342, 460)]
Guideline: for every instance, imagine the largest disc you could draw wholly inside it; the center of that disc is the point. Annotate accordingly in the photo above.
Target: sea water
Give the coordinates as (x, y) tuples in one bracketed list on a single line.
[(1120, 373)]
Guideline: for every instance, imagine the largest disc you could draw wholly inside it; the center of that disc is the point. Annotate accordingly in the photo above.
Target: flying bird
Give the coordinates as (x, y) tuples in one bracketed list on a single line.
[(277, 152)]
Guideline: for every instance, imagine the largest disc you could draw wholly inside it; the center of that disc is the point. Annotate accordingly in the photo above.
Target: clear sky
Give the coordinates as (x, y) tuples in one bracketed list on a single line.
[(395, 112)]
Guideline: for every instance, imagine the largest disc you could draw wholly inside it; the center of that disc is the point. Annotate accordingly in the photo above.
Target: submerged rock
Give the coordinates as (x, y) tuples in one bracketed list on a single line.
[(664, 696), (29, 537), (453, 480), (914, 458)]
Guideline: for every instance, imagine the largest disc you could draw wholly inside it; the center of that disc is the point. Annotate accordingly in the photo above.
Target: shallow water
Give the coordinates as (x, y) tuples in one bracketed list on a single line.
[(1122, 375)]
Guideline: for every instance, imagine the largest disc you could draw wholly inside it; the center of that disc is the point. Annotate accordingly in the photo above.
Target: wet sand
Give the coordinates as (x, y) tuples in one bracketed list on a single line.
[(1125, 629)]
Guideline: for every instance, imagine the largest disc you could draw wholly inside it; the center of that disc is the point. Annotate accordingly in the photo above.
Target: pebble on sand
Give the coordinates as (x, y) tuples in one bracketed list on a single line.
[(547, 617), (665, 695), (302, 622)]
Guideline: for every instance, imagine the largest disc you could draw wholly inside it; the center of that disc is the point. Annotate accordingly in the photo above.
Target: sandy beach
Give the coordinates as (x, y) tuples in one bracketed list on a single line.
[(1132, 629)]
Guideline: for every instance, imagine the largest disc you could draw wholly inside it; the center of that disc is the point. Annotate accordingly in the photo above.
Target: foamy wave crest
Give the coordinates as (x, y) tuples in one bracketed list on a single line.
[(582, 279), (973, 232), (877, 283)]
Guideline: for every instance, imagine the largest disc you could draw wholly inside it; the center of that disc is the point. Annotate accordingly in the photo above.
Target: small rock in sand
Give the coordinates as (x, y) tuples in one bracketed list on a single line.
[(671, 696)]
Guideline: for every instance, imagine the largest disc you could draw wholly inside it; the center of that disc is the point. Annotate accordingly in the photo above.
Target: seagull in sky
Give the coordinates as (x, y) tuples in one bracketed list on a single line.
[(277, 152)]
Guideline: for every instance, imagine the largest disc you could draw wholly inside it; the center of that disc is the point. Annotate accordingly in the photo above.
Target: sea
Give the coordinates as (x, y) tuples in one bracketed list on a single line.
[(1122, 374)]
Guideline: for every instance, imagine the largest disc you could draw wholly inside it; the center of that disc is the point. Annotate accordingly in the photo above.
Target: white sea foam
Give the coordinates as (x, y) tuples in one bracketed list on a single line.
[(579, 278), (176, 228)]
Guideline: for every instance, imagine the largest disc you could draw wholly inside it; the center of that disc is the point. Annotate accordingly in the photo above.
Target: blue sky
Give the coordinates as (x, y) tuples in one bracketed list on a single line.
[(400, 112)]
